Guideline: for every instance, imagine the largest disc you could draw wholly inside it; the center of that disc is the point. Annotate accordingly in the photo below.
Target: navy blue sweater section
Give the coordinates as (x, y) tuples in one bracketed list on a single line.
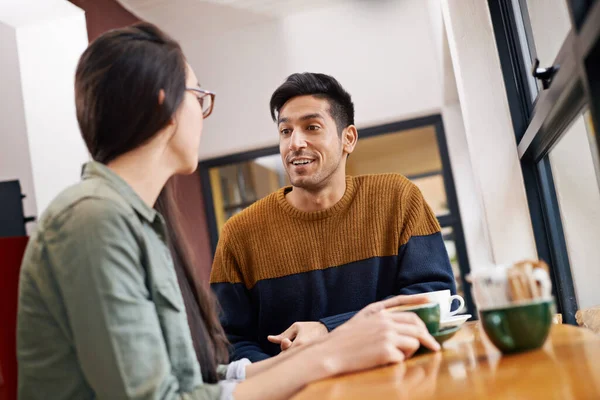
[(332, 295)]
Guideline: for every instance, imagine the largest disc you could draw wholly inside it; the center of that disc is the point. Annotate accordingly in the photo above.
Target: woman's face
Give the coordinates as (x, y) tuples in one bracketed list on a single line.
[(185, 142)]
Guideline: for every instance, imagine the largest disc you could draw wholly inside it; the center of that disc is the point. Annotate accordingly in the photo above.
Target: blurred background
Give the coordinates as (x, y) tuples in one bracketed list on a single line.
[(490, 107)]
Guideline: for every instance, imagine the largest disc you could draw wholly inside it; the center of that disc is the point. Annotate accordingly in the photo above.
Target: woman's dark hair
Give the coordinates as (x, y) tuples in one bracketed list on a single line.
[(210, 342), (324, 86), (117, 85)]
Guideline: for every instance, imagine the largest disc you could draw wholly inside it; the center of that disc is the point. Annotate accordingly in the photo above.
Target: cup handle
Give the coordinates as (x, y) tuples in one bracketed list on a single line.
[(460, 307)]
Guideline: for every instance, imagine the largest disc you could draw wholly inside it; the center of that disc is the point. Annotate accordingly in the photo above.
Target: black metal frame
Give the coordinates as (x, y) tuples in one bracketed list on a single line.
[(540, 123), (12, 220), (453, 219), (587, 49), (512, 63), (556, 107), (580, 9), (424, 175)]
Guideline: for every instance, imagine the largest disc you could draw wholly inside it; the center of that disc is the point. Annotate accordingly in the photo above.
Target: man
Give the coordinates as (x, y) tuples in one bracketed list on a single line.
[(306, 258)]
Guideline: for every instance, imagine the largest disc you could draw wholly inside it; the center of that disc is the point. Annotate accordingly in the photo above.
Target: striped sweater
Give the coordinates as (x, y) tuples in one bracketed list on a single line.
[(276, 265)]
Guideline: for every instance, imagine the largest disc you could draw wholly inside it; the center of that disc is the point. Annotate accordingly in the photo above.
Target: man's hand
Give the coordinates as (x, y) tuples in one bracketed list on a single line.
[(298, 334)]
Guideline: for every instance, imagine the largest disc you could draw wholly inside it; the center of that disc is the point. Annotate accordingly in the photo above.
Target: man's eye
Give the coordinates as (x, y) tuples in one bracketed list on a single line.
[(313, 127), (285, 131)]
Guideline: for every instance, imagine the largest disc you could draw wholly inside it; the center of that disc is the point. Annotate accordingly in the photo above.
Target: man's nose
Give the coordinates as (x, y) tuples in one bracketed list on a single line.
[(297, 141)]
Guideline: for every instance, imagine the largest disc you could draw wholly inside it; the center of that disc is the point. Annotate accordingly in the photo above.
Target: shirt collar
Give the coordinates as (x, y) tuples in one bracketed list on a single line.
[(97, 170)]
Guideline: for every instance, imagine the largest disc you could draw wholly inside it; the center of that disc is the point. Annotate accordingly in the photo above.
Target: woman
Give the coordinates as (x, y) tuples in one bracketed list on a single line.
[(101, 314)]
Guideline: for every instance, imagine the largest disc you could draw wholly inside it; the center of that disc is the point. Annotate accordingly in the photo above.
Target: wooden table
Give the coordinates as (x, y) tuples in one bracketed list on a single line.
[(566, 367)]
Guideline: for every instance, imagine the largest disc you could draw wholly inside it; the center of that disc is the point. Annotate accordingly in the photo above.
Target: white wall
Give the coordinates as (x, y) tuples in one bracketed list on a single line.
[(243, 67), (392, 56), (490, 137), (469, 198), (57, 150), (550, 24), (15, 162), (40, 142), (381, 52)]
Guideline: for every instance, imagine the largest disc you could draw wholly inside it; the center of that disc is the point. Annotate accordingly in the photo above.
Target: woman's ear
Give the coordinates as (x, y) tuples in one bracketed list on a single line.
[(161, 100)]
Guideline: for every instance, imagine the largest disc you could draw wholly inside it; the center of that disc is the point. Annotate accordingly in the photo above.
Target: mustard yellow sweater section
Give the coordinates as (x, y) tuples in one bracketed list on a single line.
[(271, 238)]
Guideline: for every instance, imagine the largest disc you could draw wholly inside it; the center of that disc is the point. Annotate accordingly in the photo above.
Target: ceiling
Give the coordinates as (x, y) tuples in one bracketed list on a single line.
[(273, 8), (191, 20)]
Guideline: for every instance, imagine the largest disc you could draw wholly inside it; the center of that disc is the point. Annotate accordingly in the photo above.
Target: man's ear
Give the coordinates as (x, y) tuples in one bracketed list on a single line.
[(349, 138)]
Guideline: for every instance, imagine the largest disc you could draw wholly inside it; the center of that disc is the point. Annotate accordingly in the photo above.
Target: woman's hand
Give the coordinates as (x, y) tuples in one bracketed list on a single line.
[(372, 338), (375, 337)]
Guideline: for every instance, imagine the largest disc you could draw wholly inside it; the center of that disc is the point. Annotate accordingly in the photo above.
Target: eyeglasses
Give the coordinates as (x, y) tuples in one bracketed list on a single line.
[(205, 98)]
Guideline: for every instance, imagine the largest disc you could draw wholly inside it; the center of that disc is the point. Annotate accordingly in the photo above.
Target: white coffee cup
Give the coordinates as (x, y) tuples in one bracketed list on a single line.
[(444, 299)]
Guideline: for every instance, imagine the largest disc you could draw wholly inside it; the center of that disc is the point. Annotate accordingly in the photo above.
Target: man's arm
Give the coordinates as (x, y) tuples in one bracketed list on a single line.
[(237, 317), (424, 265), (334, 321), (238, 321)]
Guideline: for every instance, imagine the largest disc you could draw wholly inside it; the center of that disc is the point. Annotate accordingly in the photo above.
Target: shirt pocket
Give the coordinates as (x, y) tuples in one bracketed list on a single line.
[(168, 296)]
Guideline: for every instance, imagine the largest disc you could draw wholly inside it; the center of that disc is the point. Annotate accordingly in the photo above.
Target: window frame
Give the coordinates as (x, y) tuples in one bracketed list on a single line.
[(540, 123)]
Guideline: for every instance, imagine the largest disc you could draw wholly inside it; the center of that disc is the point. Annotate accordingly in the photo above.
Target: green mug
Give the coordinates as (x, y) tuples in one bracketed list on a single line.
[(518, 327), (428, 312)]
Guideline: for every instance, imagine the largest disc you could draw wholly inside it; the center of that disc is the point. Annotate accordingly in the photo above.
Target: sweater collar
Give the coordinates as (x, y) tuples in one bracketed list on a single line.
[(337, 208)]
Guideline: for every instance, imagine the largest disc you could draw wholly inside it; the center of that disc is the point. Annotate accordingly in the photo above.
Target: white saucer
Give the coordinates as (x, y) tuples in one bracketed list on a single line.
[(455, 320)]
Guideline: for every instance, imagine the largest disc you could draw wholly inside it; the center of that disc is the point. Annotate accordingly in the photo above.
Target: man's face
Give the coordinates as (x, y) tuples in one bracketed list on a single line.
[(310, 147)]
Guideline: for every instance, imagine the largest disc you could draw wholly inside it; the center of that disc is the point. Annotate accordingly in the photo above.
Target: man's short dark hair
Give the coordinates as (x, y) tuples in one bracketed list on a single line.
[(323, 86)]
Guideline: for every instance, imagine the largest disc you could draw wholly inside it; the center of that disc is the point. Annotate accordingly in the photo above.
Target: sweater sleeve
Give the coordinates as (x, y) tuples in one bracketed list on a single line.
[(236, 370), (334, 321), (238, 316), (424, 265)]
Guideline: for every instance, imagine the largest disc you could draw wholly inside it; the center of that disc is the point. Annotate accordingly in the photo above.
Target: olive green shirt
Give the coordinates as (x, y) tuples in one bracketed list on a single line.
[(100, 312)]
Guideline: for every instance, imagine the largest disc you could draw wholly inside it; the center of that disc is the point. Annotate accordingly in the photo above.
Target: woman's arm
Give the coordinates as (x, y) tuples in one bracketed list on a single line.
[(371, 339), (261, 366)]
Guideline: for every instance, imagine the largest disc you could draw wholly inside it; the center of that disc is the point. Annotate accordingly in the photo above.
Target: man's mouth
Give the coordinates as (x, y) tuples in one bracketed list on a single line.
[(301, 161)]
